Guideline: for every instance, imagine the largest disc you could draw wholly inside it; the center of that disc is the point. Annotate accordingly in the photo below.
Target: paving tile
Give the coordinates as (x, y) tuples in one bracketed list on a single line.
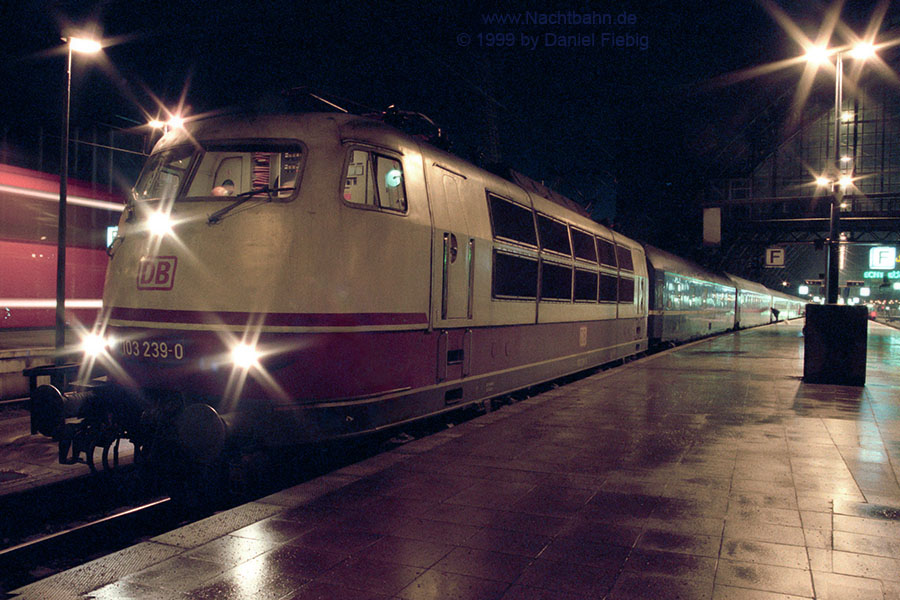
[(568, 578), (865, 565), (867, 544), (600, 533), (257, 579), (317, 590), (818, 538), (725, 592), (523, 592), (581, 551), (508, 542), (866, 526), (436, 531), (820, 559), (178, 573), (405, 551), (299, 560), (773, 516), (834, 586), (866, 510), (528, 523), (230, 550), (766, 578), (766, 553), (786, 499), (672, 507), (637, 586), (482, 564), (764, 532), (688, 524), (625, 505), (331, 538), (274, 530), (685, 566), (452, 586), (371, 575), (700, 545), (554, 501)]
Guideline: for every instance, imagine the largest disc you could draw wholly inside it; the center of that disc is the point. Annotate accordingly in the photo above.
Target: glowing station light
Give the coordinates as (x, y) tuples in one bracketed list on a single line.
[(817, 55), (84, 45)]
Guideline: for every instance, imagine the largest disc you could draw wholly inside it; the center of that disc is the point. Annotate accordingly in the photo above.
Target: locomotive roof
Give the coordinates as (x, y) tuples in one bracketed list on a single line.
[(259, 126)]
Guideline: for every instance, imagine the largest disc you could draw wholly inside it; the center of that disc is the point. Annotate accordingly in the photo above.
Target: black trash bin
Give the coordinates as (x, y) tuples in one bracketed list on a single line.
[(835, 344)]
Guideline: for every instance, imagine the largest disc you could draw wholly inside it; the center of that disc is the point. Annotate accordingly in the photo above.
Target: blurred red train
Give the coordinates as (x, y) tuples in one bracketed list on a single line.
[(29, 207)]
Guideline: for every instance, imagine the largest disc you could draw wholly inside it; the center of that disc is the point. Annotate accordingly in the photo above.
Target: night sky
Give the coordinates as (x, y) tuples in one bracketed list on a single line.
[(628, 118)]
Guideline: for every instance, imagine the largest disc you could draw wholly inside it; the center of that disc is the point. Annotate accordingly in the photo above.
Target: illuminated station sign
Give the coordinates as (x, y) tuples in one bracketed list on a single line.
[(882, 263)]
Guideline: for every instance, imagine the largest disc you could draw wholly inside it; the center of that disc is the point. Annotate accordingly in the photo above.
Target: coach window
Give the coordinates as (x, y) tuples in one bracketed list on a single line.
[(585, 285), (624, 256), (554, 235), (375, 181), (609, 286), (514, 276), (607, 252), (511, 221), (556, 282), (584, 245)]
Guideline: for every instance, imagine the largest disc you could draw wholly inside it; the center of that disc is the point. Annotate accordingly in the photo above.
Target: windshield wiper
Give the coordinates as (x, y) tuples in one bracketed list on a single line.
[(244, 197)]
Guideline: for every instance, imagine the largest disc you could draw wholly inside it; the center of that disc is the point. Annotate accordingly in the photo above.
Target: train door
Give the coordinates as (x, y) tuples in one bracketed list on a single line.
[(453, 274), (454, 249)]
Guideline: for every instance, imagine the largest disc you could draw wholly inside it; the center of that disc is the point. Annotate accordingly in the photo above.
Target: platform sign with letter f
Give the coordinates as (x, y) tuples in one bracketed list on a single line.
[(774, 257)]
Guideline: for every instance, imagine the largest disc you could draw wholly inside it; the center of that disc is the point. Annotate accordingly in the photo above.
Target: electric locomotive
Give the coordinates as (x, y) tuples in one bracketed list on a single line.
[(279, 280)]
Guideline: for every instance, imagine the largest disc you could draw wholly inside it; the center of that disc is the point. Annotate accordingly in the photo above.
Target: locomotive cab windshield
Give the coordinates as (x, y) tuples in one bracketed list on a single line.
[(222, 171)]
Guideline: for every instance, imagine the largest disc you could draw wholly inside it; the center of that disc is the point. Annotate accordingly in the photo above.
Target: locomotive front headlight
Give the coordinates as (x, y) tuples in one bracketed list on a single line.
[(93, 345), (159, 224), (245, 356)]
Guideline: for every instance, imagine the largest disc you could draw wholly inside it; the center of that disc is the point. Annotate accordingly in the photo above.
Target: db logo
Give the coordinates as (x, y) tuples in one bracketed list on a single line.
[(156, 272)]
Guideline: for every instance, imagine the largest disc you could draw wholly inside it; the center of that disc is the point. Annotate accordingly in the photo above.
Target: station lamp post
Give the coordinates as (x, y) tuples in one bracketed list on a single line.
[(83, 46), (840, 180)]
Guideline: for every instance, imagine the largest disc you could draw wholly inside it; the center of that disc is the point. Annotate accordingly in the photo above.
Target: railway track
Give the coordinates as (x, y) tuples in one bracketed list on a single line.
[(36, 558)]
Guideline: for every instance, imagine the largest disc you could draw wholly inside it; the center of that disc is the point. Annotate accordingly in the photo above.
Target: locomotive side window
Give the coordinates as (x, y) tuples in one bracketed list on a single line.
[(584, 245), (624, 256), (609, 288), (514, 276), (554, 235), (626, 290), (374, 180), (585, 285), (607, 252), (163, 174), (511, 221), (556, 281), (390, 183)]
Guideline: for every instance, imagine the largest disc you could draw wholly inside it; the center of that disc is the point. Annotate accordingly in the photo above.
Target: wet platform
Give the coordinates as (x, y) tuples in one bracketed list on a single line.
[(710, 471)]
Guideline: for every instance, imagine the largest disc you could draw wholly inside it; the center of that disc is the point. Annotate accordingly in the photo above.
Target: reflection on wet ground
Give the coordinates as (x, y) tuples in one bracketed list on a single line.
[(710, 471)]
